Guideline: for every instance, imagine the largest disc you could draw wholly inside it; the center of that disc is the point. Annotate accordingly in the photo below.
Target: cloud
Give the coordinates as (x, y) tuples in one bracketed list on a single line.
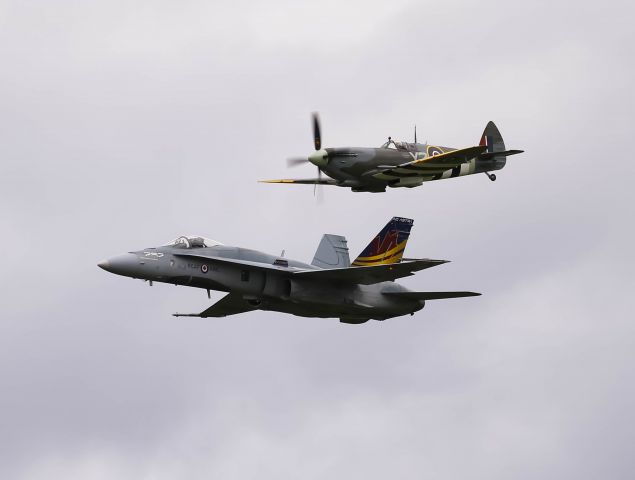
[(124, 125)]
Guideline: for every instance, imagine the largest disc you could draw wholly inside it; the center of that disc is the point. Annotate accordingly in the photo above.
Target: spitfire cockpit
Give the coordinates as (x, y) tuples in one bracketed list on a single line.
[(401, 146), (192, 241)]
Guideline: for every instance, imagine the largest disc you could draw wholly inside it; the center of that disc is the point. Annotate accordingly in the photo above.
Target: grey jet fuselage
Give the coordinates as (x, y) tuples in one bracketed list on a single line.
[(264, 281), (329, 287)]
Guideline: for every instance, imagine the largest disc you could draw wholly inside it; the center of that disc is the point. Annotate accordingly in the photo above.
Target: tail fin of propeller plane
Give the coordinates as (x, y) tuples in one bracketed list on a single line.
[(388, 245), (492, 139), (495, 157)]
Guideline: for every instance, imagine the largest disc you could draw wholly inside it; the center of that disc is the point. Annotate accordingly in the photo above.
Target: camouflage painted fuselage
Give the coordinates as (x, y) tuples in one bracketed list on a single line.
[(361, 168), (405, 165)]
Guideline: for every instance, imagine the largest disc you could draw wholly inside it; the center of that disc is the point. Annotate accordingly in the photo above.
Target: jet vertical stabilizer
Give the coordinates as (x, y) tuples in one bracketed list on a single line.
[(332, 252), (388, 246)]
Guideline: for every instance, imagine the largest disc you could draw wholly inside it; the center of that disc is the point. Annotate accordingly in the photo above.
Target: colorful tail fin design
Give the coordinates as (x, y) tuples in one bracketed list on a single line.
[(389, 244)]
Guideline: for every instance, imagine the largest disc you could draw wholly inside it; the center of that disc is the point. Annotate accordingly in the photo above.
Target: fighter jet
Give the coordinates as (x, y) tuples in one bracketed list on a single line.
[(400, 164), (330, 287)]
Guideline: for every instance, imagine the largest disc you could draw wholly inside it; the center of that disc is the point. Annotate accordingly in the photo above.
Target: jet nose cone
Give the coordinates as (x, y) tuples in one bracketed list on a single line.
[(126, 264), (319, 158)]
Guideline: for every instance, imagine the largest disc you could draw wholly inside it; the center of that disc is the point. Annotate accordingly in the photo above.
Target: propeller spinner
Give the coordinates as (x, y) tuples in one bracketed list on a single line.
[(320, 157)]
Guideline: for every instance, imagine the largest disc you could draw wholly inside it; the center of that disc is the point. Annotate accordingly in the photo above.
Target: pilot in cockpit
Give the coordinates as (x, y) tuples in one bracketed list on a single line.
[(192, 241), (401, 146)]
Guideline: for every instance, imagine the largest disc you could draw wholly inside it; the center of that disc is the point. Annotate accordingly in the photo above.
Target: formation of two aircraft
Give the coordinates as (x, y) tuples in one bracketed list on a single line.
[(331, 286)]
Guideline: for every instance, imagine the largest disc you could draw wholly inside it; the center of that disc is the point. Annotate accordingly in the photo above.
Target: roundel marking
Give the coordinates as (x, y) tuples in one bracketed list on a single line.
[(204, 268), (434, 151)]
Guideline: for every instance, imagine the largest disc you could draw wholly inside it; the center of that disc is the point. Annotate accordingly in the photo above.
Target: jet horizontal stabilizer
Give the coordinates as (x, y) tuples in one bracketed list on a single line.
[(430, 295)]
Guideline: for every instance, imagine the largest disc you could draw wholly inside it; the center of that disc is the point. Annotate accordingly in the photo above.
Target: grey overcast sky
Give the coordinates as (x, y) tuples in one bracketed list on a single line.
[(124, 124)]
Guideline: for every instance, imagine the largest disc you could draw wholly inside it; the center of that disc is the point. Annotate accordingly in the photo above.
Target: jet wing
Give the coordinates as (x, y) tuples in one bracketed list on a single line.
[(230, 304), (366, 275), (306, 181), (233, 261), (370, 274), (431, 165)]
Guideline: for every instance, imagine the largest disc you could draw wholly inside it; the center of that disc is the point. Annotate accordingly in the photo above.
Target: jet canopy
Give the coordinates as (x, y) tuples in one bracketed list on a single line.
[(192, 241)]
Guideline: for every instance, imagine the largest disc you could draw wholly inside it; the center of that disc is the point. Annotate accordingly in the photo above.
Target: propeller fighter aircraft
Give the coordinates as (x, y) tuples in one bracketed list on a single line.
[(400, 164), (329, 287)]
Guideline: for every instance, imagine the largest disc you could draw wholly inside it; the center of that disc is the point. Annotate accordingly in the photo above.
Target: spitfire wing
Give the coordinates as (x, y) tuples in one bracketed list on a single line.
[(431, 165), (230, 304), (370, 274), (306, 181)]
